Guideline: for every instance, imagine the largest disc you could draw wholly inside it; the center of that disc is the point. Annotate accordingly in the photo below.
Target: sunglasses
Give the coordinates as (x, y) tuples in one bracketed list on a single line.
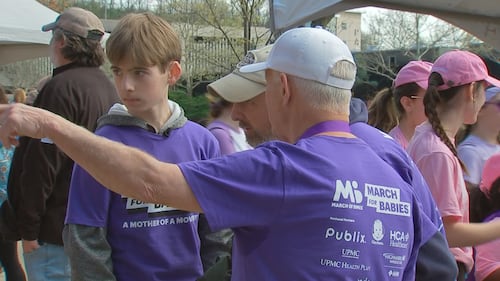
[(497, 103)]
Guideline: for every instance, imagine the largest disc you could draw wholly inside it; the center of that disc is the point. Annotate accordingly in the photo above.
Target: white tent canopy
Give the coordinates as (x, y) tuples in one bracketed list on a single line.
[(479, 17), (20, 30), (21, 20)]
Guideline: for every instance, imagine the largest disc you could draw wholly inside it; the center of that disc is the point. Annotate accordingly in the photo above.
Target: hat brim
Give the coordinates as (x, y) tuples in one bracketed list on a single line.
[(254, 67), (235, 88), (492, 81), (423, 84), (49, 27)]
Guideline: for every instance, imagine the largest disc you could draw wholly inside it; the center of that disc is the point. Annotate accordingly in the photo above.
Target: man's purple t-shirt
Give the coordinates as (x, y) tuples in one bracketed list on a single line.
[(391, 152), (149, 241), (325, 208)]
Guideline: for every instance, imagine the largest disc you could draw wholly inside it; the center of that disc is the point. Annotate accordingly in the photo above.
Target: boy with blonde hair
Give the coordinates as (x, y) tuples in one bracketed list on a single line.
[(113, 237)]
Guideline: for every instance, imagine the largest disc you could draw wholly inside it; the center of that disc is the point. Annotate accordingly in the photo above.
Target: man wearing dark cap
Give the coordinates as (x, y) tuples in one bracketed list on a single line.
[(40, 175)]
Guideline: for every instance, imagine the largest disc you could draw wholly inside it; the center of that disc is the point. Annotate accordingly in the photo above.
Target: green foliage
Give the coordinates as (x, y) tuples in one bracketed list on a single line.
[(195, 107)]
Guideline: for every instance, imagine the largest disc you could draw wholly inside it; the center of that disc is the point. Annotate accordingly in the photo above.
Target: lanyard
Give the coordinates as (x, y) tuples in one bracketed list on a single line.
[(327, 126)]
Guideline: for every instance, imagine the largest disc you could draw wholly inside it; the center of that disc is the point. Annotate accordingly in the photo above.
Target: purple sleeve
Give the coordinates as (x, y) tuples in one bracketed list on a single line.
[(224, 139), (88, 200), (230, 197)]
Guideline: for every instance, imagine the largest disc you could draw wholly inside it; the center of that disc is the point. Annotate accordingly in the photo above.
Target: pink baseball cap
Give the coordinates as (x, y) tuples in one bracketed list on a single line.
[(491, 172), (414, 72), (459, 68)]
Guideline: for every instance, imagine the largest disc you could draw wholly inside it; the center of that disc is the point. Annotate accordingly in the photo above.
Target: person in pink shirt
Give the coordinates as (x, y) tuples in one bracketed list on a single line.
[(486, 198), (408, 93), (399, 110), (455, 94)]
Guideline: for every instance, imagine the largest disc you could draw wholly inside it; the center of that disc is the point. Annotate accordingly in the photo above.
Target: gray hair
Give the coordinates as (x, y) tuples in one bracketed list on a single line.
[(325, 97)]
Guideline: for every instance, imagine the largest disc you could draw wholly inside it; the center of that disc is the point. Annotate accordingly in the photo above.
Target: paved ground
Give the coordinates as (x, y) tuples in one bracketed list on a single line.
[(20, 249)]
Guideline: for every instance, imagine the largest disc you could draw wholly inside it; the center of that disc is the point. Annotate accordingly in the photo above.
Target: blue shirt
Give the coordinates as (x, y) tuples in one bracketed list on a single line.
[(5, 161)]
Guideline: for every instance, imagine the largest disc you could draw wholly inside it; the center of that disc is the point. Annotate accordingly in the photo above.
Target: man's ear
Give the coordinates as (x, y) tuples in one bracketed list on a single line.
[(286, 94), (174, 72), (59, 43)]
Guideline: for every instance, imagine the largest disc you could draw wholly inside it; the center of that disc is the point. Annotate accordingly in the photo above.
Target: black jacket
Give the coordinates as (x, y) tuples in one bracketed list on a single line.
[(40, 173)]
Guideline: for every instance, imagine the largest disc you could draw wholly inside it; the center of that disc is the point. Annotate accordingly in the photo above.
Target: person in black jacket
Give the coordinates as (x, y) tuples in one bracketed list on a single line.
[(40, 173)]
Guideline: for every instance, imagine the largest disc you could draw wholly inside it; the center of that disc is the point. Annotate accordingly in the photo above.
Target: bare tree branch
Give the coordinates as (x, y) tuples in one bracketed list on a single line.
[(415, 35)]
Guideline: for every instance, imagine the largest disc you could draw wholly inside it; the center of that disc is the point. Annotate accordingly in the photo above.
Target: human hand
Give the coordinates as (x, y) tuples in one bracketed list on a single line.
[(21, 120), (30, 246)]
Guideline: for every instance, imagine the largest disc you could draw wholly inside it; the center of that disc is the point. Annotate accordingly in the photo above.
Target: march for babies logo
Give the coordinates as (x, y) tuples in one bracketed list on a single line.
[(386, 200), (347, 195)]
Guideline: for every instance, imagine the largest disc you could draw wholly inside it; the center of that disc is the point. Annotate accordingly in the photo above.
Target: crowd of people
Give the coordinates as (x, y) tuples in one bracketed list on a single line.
[(292, 179), (10, 263)]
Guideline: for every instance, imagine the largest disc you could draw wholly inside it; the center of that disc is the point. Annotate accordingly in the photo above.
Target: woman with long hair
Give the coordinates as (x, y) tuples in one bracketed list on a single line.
[(408, 95), (455, 94), (399, 110)]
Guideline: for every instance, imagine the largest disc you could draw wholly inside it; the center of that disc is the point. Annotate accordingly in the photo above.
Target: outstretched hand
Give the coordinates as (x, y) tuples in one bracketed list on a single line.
[(21, 120)]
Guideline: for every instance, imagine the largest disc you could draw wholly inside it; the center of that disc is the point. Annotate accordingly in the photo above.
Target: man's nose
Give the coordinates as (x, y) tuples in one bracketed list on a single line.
[(235, 112)]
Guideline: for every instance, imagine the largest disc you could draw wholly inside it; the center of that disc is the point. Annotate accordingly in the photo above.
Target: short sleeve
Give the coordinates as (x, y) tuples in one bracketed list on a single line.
[(224, 139), (440, 173), (88, 200), (228, 195)]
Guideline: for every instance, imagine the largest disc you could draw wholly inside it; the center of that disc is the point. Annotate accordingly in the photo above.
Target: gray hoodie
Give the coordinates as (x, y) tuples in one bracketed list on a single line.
[(118, 115)]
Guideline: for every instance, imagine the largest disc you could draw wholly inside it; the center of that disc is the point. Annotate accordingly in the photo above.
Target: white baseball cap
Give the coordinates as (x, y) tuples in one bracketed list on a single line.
[(308, 53), (239, 87)]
